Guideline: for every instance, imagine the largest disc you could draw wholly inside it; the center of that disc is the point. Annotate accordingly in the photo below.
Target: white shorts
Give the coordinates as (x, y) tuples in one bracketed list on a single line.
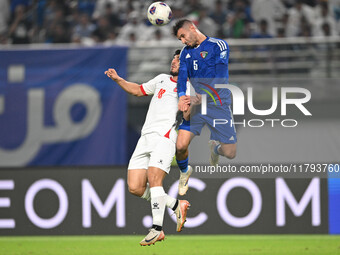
[(153, 150)]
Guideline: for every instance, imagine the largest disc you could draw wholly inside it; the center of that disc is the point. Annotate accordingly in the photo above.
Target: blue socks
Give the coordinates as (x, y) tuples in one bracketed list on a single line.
[(183, 164), (216, 149)]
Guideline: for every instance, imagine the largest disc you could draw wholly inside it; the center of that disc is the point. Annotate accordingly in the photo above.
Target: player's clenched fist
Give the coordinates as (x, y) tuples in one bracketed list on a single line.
[(183, 103), (111, 73)]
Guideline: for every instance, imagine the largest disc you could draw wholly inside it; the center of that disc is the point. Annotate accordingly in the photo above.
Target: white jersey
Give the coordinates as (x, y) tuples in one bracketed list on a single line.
[(163, 107)]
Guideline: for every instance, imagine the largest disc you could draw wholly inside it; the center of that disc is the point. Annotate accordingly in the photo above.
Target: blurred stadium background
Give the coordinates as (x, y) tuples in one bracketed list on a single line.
[(66, 132)]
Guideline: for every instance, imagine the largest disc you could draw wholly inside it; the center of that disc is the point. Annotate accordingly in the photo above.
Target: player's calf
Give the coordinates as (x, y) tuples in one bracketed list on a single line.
[(183, 141), (228, 150), (221, 149)]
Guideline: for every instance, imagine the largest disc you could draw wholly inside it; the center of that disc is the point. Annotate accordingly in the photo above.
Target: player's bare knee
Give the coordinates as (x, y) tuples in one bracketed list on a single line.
[(136, 190), (181, 148), (228, 152), (231, 154)]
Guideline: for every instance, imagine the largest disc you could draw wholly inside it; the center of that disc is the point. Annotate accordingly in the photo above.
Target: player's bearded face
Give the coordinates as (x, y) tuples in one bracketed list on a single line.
[(174, 66), (191, 41)]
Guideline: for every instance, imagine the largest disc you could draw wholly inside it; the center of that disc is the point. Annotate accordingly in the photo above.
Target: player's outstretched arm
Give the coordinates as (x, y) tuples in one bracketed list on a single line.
[(130, 87)]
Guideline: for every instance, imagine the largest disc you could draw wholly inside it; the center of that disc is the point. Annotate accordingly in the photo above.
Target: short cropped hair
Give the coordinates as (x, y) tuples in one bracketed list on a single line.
[(179, 24)]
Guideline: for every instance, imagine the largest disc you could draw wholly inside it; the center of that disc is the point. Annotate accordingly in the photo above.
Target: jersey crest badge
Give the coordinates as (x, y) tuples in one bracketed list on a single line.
[(203, 54)]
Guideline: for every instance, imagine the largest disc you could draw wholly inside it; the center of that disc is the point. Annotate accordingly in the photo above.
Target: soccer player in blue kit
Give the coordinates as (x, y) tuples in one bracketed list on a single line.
[(204, 61)]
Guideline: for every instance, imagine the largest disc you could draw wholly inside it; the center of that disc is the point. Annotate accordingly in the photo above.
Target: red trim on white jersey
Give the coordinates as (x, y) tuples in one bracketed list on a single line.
[(171, 79), (142, 89), (167, 135)]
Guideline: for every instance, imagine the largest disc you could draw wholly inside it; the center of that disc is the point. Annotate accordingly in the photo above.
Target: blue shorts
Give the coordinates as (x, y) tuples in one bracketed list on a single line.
[(220, 123), (185, 125)]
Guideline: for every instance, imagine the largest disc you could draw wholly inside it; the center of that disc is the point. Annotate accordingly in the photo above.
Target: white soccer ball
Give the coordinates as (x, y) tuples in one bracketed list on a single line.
[(159, 14)]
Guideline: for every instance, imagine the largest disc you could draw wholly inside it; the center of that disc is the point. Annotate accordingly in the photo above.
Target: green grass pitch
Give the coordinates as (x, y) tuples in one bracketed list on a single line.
[(173, 244)]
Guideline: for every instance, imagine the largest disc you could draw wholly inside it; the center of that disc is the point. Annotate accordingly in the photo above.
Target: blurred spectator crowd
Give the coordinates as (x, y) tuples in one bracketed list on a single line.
[(124, 22)]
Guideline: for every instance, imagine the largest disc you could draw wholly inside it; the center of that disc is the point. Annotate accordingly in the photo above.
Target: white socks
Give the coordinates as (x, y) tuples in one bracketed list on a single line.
[(170, 201), (158, 203), (159, 199), (147, 195)]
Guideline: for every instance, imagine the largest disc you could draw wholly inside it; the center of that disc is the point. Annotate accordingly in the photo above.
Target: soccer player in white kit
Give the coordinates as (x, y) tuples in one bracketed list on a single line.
[(156, 148)]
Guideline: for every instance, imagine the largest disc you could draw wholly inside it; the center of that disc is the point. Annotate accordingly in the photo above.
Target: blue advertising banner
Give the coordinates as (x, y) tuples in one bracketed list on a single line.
[(58, 108), (334, 205)]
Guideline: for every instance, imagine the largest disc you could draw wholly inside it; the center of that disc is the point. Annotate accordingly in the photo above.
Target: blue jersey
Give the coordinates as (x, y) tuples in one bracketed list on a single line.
[(205, 66)]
